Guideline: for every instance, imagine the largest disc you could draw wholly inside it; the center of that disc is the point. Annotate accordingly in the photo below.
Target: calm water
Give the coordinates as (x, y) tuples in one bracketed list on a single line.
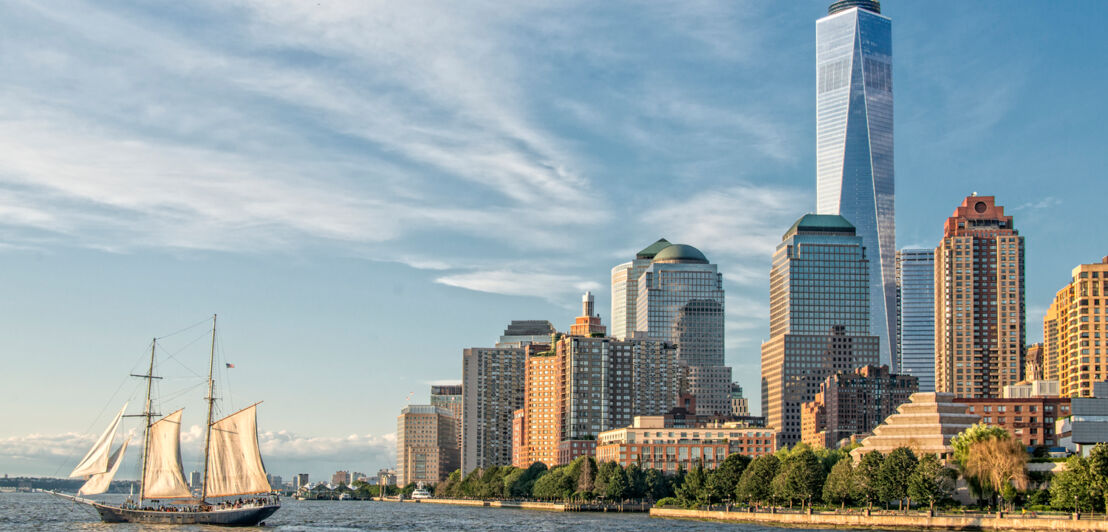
[(42, 511)]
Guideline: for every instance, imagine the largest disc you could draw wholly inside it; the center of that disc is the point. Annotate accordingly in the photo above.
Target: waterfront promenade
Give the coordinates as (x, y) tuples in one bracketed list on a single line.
[(887, 520), (533, 505)]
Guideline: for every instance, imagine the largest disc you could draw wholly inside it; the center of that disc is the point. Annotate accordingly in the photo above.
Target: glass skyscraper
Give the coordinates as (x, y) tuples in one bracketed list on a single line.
[(854, 143), (915, 298), (680, 300), (819, 317)]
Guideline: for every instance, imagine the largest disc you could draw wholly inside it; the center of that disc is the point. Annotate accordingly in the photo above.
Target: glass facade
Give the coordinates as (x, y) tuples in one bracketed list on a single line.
[(819, 317), (854, 146), (680, 300), (915, 297)]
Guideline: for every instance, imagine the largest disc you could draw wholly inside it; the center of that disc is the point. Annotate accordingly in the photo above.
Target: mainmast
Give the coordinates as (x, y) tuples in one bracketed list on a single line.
[(147, 413), (211, 406)]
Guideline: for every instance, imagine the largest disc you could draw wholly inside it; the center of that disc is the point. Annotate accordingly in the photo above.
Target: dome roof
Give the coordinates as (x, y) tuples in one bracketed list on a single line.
[(680, 253)]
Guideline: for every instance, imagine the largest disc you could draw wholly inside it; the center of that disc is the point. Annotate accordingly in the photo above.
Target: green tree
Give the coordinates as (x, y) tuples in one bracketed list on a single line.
[(839, 486), (657, 487), (552, 485), (895, 472), (931, 481), (800, 477), (723, 481), (636, 482), (447, 489), (754, 484), (606, 472), (694, 490), (520, 482), (867, 478), (469, 485), (1098, 470), (616, 489), (1074, 485)]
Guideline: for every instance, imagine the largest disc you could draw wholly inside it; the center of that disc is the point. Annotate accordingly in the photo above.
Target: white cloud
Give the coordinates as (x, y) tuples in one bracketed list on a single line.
[(552, 286)]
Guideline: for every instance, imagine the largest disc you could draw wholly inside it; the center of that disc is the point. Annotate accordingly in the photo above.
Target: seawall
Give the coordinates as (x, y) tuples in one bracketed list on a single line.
[(533, 505), (860, 520)]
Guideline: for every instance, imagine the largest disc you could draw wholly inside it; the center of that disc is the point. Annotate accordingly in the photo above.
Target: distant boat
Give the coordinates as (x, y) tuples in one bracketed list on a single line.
[(421, 493), (232, 468)]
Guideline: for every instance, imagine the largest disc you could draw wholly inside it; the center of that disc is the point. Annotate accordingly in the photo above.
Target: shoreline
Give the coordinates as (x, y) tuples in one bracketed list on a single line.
[(531, 505), (792, 520), (818, 520)]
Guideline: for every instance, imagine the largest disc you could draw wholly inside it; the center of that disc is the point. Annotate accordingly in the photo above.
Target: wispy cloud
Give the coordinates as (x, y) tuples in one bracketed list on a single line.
[(552, 286), (1044, 203)]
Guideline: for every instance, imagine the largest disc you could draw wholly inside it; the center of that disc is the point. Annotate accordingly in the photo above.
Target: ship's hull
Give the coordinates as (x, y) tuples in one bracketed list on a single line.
[(248, 516)]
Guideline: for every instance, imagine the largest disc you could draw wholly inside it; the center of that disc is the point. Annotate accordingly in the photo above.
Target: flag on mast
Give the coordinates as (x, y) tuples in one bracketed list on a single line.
[(230, 365)]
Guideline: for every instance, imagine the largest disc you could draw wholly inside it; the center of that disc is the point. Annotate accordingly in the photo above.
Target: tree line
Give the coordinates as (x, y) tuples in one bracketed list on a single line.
[(992, 463)]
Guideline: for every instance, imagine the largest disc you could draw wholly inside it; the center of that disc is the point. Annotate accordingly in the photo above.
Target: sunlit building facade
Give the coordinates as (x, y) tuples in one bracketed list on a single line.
[(625, 289), (979, 301), (1075, 330), (854, 143)]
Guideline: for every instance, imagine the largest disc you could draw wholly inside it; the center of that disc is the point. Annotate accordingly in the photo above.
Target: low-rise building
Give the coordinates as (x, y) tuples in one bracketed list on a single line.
[(926, 424), (1035, 388), (570, 450), (657, 442), (1088, 425), (1029, 419)]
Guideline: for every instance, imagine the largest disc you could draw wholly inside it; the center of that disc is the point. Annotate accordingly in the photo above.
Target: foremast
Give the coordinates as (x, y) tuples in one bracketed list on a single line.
[(148, 413), (211, 406)]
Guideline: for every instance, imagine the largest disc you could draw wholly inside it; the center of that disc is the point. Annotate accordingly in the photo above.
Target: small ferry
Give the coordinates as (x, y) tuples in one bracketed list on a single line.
[(421, 493)]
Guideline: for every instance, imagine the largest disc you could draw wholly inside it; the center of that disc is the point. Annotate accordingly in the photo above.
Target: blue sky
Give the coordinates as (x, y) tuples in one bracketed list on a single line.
[(363, 189)]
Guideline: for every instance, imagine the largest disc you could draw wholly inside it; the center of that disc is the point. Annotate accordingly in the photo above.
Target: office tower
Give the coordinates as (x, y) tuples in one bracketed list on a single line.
[(523, 332), (854, 143), (449, 396), (625, 289), (301, 480), (492, 389), (342, 477), (426, 446), (853, 403), (915, 316), (819, 317), (194, 480), (680, 300), (587, 384), (1075, 348), (979, 308), (588, 323)]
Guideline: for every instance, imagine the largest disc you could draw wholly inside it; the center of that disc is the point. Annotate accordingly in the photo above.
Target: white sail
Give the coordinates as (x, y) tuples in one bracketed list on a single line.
[(96, 461), (163, 478), (234, 460), (99, 483)]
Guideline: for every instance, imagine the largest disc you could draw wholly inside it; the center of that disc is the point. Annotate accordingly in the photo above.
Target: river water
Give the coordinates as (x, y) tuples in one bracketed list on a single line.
[(42, 511)]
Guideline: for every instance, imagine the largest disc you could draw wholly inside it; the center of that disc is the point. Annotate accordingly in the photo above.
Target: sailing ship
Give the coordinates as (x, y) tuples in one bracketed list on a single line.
[(232, 468)]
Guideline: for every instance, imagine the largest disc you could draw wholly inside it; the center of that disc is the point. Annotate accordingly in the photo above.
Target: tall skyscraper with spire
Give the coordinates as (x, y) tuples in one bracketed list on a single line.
[(854, 143)]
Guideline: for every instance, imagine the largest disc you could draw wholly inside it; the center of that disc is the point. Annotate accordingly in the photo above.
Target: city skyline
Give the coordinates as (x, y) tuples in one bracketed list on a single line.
[(268, 175)]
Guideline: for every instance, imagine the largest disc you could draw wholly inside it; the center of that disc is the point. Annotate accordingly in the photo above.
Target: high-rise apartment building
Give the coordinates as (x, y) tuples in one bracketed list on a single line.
[(979, 305), (426, 446), (625, 289), (915, 316), (585, 385), (1075, 332), (819, 317), (492, 390), (1033, 358), (449, 396), (680, 300), (854, 143)]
